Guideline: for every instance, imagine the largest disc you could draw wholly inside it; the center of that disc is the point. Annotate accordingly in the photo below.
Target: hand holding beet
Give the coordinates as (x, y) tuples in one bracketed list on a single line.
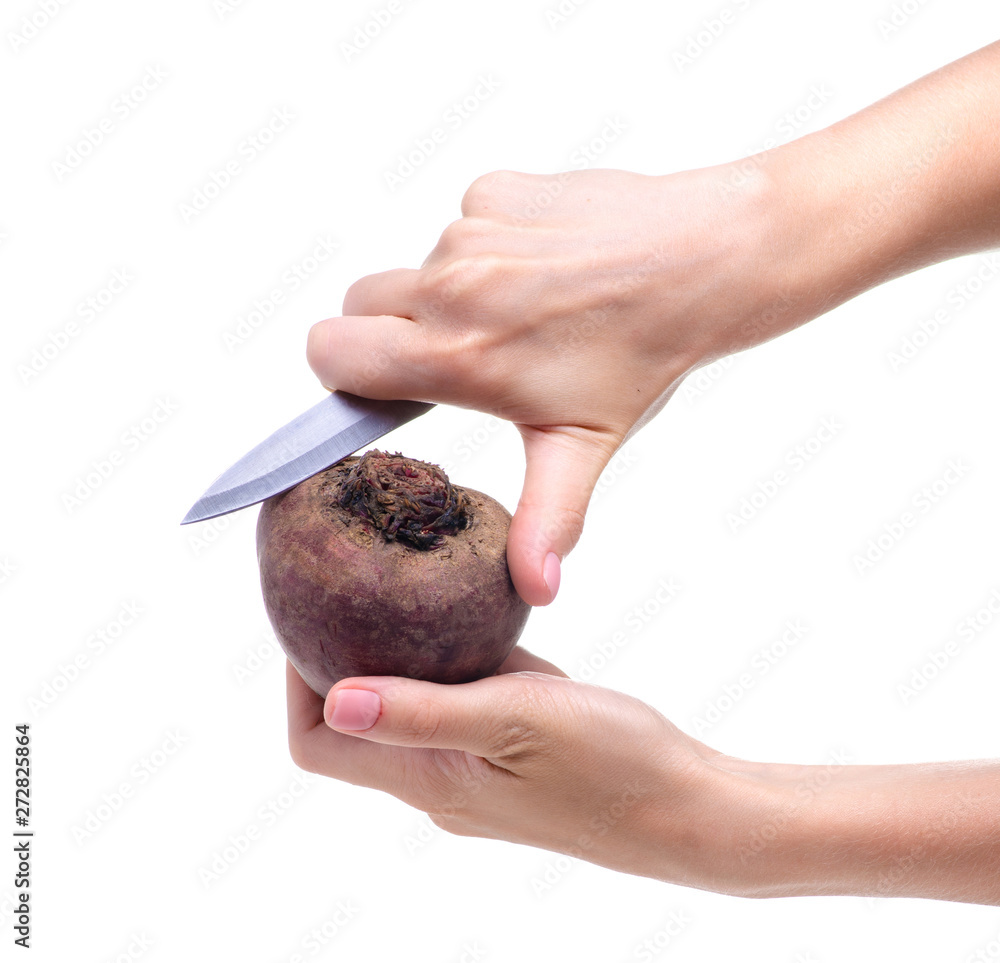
[(533, 757)]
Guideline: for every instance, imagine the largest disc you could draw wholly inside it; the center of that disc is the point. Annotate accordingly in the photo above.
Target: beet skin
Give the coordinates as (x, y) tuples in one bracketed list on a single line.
[(379, 566)]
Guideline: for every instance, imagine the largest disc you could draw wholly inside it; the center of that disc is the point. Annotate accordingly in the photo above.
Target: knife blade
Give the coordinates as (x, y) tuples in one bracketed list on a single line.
[(318, 438)]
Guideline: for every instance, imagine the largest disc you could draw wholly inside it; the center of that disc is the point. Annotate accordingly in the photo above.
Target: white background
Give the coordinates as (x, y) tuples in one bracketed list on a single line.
[(156, 752)]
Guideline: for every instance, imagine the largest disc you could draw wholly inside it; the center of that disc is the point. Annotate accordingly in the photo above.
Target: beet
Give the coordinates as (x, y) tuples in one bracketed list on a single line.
[(380, 566)]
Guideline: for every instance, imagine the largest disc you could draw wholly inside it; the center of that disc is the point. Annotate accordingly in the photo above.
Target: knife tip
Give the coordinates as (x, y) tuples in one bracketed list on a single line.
[(194, 515)]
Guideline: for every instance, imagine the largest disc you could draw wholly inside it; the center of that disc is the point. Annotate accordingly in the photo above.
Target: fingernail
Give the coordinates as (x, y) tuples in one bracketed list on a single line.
[(551, 573), (354, 710)]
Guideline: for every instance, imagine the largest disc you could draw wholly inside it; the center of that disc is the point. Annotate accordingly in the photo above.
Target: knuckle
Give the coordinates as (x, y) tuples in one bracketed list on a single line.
[(474, 370), (421, 726), (520, 732), (487, 189), (456, 236), (366, 295), (354, 297), (468, 236), (462, 279), (519, 737)]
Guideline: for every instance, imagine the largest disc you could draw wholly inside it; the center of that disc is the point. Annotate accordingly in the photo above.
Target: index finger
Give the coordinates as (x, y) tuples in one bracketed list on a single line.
[(389, 292)]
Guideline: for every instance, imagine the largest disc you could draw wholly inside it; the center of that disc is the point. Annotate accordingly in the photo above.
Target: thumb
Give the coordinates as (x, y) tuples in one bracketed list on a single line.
[(487, 718), (562, 468)]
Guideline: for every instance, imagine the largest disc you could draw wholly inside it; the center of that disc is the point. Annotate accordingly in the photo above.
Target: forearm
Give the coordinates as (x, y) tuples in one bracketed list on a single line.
[(910, 181), (929, 831)]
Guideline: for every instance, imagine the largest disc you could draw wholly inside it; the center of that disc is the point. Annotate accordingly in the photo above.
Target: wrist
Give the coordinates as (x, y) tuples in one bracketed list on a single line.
[(767, 233), (838, 231), (929, 831), (829, 218), (739, 830), (759, 821), (779, 838)]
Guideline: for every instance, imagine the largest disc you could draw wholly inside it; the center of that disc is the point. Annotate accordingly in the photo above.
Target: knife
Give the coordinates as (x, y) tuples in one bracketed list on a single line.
[(336, 427)]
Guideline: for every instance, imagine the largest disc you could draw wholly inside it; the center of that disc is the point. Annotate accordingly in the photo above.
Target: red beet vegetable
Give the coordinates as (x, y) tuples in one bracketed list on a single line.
[(380, 566)]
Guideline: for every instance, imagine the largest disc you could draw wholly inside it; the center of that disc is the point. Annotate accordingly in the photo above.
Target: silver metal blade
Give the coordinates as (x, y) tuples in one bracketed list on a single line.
[(339, 425)]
